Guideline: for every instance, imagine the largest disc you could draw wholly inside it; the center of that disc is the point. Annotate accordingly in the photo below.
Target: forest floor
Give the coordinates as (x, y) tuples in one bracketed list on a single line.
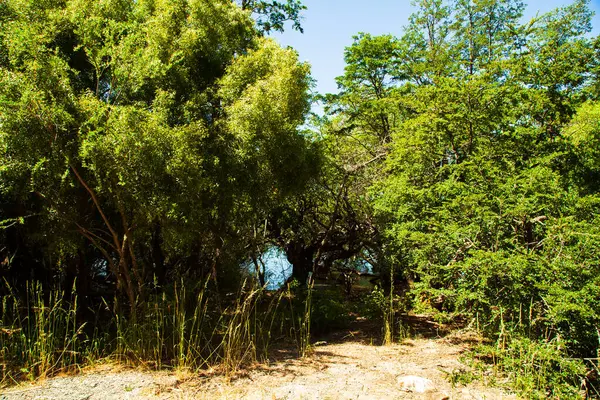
[(349, 365)]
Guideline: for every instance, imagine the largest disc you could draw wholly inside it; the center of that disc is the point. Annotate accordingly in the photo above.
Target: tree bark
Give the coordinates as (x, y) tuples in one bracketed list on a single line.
[(158, 257), (301, 257)]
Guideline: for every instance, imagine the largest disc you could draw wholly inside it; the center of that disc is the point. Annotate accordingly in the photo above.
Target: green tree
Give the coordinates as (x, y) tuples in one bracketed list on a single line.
[(332, 222), (489, 186), (272, 15), (157, 130), (482, 170)]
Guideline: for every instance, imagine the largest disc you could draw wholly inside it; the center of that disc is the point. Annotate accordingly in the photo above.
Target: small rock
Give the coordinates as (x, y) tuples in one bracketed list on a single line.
[(415, 384), (438, 396)]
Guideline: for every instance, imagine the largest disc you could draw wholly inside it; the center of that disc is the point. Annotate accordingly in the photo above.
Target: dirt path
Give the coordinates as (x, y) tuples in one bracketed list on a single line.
[(351, 370)]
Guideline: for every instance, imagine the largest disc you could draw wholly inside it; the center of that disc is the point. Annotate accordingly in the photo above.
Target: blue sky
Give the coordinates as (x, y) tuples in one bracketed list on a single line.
[(330, 24)]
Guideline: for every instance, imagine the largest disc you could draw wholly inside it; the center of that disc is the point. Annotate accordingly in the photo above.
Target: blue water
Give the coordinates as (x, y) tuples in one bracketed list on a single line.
[(277, 267)]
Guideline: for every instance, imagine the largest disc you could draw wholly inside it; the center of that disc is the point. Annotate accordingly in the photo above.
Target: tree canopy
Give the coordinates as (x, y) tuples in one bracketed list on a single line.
[(143, 132), (485, 126)]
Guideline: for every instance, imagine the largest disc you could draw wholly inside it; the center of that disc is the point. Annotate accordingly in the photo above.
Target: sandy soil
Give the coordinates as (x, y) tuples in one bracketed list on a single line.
[(346, 370)]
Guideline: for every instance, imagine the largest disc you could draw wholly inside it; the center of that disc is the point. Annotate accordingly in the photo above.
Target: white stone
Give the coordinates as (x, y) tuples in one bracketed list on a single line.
[(415, 384)]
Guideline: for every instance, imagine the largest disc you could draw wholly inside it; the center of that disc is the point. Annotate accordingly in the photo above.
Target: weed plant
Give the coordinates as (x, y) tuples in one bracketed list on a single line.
[(297, 321), (385, 308)]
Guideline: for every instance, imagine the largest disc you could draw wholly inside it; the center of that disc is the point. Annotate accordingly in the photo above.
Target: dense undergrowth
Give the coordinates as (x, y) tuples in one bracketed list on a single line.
[(182, 327), (518, 356), (191, 328), (534, 368)]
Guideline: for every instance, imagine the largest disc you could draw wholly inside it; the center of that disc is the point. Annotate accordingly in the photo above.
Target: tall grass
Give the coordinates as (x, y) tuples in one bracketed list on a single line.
[(188, 329), (388, 314), (304, 336), (184, 327), (535, 369), (239, 340), (300, 317), (388, 306), (40, 336)]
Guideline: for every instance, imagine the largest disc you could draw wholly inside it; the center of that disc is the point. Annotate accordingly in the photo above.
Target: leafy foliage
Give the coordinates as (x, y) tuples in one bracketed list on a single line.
[(161, 119), (272, 15), (488, 199)]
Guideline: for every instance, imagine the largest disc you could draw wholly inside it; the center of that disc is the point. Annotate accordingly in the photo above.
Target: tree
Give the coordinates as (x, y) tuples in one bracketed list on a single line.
[(328, 224), (156, 130), (272, 15), (332, 222), (473, 144), (481, 171), (366, 89)]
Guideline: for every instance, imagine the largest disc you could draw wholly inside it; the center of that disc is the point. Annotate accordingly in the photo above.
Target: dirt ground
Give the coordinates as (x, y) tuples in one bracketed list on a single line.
[(352, 368)]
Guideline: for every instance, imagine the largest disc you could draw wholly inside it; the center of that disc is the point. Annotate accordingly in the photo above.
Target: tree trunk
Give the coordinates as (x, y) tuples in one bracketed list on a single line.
[(302, 259), (260, 270), (158, 257)]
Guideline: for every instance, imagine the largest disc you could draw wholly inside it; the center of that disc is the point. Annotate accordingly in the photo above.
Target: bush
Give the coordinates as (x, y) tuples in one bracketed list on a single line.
[(330, 311), (537, 369)]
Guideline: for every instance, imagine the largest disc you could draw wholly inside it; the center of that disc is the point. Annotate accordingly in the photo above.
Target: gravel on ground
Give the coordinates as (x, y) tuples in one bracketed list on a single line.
[(346, 370)]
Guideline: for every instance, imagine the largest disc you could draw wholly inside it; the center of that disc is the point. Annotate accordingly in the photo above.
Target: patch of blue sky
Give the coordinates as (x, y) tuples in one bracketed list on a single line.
[(330, 24)]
